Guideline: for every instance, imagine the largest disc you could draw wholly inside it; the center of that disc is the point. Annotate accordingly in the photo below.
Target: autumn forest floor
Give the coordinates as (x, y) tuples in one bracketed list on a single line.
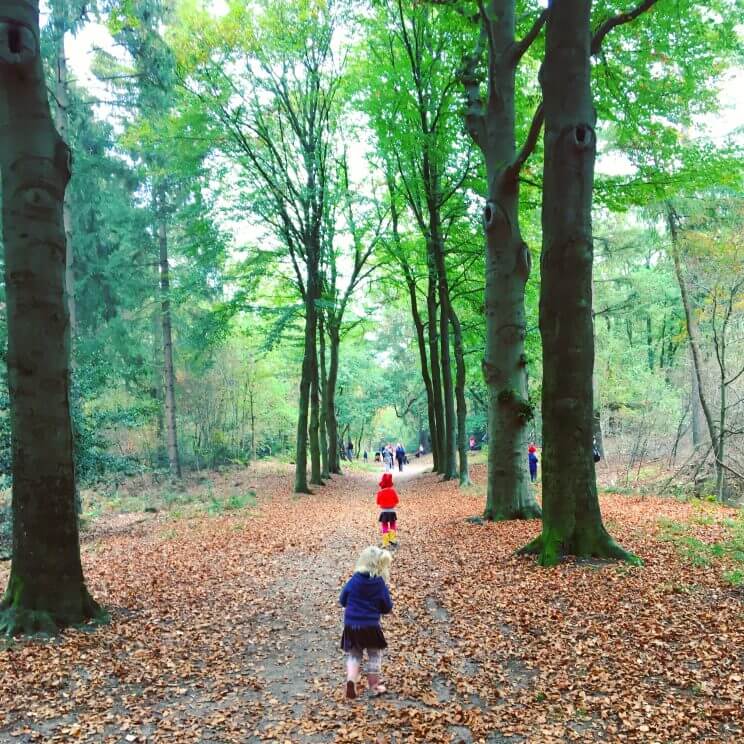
[(225, 625)]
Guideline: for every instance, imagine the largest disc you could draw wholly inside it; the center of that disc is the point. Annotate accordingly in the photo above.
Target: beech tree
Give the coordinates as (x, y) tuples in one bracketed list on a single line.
[(273, 101), (572, 522), (492, 126), (46, 590), (416, 119)]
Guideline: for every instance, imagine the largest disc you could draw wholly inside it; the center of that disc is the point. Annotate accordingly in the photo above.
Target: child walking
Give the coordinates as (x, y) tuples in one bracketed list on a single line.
[(365, 597), (387, 500), (532, 455)]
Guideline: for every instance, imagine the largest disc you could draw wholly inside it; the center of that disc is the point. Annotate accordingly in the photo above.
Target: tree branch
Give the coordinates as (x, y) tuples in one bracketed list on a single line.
[(533, 136), (522, 46), (618, 20)]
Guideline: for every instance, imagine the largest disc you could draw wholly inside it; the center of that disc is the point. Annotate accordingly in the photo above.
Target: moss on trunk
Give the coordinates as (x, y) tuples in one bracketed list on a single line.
[(46, 590), (572, 522)]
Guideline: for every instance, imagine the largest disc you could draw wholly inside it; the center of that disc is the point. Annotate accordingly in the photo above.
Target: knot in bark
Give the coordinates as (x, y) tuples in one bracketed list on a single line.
[(493, 216), (582, 136), (18, 43)]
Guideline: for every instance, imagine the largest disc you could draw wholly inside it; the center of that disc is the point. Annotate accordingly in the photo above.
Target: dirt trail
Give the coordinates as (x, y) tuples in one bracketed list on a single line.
[(226, 629)]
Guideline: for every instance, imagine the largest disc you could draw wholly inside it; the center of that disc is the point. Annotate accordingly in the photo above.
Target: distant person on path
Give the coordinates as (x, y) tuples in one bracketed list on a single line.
[(350, 450), (400, 456), (366, 457), (532, 455), (387, 500), (365, 597), (387, 456)]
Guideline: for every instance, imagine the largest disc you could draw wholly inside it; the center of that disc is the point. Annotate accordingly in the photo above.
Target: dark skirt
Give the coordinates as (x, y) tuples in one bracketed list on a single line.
[(354, 638), (388, 516)]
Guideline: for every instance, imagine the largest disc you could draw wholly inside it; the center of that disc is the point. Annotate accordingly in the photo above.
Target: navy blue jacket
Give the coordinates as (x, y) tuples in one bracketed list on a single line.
[(365, 598)]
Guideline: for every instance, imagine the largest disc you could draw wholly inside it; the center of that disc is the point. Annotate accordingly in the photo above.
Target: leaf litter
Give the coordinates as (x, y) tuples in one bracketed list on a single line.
[(226, 629)]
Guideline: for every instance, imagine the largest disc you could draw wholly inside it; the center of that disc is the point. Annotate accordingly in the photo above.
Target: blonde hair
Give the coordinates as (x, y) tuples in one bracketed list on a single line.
[(374, 561)]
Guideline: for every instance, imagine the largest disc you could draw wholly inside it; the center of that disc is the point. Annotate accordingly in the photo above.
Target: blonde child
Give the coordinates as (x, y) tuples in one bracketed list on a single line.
[(365, 597)]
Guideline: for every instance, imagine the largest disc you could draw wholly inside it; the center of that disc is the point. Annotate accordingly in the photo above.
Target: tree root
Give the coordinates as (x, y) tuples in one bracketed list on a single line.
[(550, 548), (15, 619), (526, 511)]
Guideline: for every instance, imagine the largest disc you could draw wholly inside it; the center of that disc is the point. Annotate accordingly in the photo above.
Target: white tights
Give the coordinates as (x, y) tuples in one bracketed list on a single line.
[(354, 662)]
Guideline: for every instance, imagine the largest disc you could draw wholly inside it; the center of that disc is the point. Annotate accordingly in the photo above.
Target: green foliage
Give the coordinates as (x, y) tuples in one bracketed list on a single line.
[(729, 550)]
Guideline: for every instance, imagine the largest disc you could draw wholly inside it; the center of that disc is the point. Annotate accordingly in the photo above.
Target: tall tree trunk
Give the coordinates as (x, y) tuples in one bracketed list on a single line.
[(314, 433), (309, 361), (359, 442), (156, 377), (174, 460), (418, 324), (46, 589), (421, 342), (437, 436), (693, 334), (572, 522), (462, 406), (508, 263), (324, 460), (697, 421), (449, 439), (61, 120), (253, 426), (650, 343), (720, 471), (334, 454)]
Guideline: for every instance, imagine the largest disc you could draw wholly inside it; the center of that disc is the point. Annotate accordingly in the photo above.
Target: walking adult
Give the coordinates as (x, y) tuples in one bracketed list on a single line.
[(400, 456), (387, 456)]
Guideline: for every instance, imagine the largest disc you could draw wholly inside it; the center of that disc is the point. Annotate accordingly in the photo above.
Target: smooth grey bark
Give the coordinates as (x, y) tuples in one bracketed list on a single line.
[(508, 262), (324, 458), (572, 522), (423, 360), (437, 442), (314, 431), (462, 406), (46, 590), (334, 454), (695, 409), (61, 120), (169, 374), (449, 438)]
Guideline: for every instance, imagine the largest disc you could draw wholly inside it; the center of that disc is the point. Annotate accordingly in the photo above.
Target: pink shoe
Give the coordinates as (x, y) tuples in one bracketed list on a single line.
[(375, 685)]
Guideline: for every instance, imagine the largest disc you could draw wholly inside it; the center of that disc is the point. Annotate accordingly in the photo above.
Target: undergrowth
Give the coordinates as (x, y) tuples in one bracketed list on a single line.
[(728, 552)]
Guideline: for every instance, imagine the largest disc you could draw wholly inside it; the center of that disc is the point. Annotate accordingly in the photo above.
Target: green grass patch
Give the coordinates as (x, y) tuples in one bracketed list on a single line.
[(729, 550)]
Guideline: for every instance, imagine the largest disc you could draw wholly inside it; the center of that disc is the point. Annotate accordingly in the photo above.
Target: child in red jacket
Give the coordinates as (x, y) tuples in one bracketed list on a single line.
[(387, 500)]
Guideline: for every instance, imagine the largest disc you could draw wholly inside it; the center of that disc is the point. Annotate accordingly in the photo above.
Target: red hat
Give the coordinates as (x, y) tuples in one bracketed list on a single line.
[(532, 448), (386, 481)]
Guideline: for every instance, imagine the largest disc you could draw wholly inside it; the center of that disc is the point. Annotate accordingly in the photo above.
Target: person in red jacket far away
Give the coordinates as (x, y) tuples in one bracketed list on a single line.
[(387, 500)]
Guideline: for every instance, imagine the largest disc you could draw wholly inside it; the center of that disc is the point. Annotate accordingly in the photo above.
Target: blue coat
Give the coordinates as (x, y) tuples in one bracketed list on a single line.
[(365, 598)]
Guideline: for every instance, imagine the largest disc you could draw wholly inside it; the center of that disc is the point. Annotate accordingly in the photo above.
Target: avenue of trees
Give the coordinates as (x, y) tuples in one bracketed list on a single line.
[(288, 225)]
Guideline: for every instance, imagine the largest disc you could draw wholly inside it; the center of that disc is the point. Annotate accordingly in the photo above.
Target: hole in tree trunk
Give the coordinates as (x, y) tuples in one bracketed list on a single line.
[(14, 39), (583, 135), (489, 214)]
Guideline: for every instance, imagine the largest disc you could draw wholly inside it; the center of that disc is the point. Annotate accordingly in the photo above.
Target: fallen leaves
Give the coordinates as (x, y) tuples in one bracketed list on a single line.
[(226, 630)]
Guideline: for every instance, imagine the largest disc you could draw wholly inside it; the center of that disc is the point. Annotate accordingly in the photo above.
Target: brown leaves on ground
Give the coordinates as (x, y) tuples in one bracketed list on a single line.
[(226, 629)]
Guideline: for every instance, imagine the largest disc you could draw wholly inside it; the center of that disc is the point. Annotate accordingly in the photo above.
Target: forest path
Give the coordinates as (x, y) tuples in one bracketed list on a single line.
[(226, 629)]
